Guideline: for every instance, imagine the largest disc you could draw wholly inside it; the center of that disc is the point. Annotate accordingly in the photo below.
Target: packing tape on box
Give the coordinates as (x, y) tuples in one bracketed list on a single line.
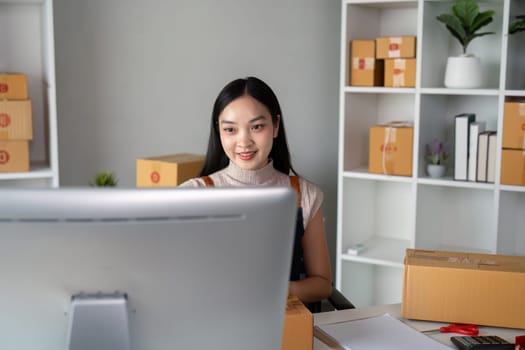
[(363, 63), (521, 110), (394, 45), (399, 73)]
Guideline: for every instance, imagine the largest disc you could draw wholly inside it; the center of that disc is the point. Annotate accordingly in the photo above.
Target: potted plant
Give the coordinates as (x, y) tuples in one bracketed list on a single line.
[(104, 179), (437, 154), (464, 24), (518, 25)]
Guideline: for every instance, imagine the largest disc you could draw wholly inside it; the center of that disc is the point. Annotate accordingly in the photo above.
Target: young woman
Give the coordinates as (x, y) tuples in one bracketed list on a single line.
[(248, 147)]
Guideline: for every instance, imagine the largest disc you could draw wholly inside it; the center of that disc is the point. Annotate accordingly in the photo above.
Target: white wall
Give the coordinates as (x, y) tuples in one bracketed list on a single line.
[(138, 78)]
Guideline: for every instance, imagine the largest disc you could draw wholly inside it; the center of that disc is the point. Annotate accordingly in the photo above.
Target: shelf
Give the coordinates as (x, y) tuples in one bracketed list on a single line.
[(448, 91), (450, 182), (35, 173), (378, 90), (381, 251), (362, 173)]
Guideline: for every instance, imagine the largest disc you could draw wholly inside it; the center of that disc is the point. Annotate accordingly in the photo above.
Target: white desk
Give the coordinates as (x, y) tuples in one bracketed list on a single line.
[(395, 310)]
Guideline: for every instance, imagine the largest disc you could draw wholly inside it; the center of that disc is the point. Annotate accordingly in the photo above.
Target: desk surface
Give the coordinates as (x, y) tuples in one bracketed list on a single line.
[(395, 310)]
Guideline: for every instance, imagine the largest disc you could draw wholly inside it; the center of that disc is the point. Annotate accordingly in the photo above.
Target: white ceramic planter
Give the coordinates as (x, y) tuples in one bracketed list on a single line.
[(436, 170), (463, 72)]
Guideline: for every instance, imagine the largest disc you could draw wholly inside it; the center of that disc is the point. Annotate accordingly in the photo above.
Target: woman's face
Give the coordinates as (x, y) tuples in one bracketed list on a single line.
[(247, 132)]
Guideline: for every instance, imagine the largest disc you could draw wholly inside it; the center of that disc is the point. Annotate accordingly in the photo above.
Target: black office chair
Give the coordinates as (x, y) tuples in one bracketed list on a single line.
[(336, 301)]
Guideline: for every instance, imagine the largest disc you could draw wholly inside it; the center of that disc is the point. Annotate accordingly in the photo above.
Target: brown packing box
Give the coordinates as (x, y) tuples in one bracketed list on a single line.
[(400, 72), (514, 125), (14, 156), (13, 87), (396, 47), (15, 120), (365, 69), (298, 331), (513, 167), (168, 170), (480, 289), (390, 149)]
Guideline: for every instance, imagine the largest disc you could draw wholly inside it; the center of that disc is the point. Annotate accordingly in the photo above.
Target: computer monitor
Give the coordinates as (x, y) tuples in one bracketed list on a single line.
[(198, 268)]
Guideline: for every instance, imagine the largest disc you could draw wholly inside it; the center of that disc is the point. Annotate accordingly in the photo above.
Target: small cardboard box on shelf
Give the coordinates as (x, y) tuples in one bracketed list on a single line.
[(168, 170), (400, 72), (15, 120), (396, 47), (460, 287), (390, 149), (514, 124), (298, 330), (13, 86), (365, 69), (513, 167), (14, 156)]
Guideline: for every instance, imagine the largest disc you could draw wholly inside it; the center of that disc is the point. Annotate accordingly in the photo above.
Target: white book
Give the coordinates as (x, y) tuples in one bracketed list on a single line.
[(461, 144), (491, 157), (475, 129), (483, 142)]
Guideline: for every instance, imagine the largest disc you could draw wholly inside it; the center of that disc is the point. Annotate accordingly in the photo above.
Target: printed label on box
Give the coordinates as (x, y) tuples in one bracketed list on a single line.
[(394, 47), (363, 63)]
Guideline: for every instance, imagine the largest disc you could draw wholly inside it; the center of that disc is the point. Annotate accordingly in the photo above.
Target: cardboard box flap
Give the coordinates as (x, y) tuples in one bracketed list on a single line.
[(177, 158)]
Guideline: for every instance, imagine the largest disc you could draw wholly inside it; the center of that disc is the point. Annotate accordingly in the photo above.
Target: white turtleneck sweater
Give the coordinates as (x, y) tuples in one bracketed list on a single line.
[(233, 176)]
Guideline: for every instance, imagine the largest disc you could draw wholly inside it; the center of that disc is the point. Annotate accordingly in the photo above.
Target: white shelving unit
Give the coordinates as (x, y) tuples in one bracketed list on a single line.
[(27, 46), (392, 213)]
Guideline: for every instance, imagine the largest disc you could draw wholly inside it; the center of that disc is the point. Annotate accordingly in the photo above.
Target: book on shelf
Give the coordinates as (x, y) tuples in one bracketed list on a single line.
[(475, 129), (483, 156), (491, 157), (461, 144)]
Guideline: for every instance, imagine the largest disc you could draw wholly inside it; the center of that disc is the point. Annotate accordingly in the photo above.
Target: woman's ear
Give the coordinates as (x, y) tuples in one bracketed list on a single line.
[(276, 126)]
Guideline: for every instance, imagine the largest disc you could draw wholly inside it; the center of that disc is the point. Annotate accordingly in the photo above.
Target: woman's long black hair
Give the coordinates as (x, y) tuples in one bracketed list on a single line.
[(216, 158)]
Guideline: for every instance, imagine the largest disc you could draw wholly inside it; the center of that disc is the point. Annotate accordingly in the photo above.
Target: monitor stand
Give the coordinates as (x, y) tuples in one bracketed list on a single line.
[(99, 321)]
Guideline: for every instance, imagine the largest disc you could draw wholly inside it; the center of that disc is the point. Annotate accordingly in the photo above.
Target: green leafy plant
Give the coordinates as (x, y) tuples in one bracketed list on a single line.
[(518, 25), (437, 152), (465, 21), (104, 179)]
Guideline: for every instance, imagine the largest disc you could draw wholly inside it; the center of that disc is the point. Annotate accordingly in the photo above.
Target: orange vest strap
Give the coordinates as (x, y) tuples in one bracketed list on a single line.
[(207, 181), (294, 182)]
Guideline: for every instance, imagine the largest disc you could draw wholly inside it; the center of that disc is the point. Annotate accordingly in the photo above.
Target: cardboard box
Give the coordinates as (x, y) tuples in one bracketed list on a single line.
[(514, 125), (365, 69), (169, 170), (15, 120), (13, 87), (390, 151), (14, 156), (513, 167), (396, 47), (481, 289), (298, 332), (400, 72)]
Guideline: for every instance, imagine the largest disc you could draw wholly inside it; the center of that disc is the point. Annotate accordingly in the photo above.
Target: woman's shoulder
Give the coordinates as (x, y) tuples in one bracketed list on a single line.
[(195, 182), (310, 189)]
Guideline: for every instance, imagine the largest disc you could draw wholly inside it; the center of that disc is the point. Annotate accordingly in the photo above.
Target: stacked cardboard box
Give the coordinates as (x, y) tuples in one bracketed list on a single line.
[(15, 123), (168, 170), (513, 143), (385, 61)]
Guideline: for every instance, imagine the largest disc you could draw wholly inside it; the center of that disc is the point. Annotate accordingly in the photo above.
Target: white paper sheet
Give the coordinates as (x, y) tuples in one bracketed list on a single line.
[(382, 332)]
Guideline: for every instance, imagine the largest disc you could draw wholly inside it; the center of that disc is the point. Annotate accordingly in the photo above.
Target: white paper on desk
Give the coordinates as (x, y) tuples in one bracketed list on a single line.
[(382, 332)]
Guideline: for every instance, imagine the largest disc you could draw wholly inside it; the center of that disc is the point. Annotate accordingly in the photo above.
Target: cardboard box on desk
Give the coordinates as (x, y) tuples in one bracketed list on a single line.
[(365, 69), (298, 329), (168, 170), (396, 47), (514, 125), (13, 86), (480, 289), (513, 167), (390, 151), (16, 120), (400, 72), (14, 156)]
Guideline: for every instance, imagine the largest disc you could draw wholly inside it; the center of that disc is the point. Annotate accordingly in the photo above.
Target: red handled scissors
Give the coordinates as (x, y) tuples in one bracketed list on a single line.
[(461, 328)]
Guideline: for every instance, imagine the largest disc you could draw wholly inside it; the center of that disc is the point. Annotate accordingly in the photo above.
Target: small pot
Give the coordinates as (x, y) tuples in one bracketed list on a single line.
[(436, 170), (463, 72)]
